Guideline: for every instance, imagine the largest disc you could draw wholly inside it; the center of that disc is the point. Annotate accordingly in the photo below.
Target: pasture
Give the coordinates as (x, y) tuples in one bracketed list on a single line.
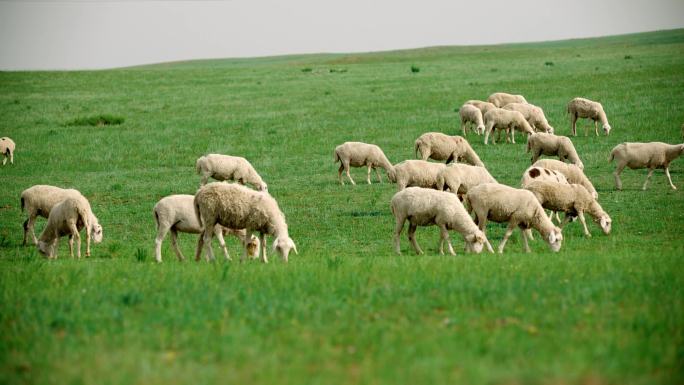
[(604, 310)]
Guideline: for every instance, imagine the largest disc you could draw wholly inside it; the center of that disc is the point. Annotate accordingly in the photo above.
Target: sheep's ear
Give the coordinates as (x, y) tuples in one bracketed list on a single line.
[(294, 247)]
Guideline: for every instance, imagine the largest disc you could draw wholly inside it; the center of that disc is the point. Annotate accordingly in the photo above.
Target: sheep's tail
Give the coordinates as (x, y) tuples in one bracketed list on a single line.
[(156, 217), (529, 144), (23, 204), (612, 155), (198, 165), (195, 205), (336, 156)]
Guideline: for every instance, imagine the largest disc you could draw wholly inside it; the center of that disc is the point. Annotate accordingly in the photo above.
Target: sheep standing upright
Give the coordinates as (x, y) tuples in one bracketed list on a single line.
[(500, 99), (549, 144), (238, 207), (226, 167), (418, 173), (7, 147), (585, 108), (533, 114), (471, 115), (358, 154), (505, 120), (438, 146), (571, 172), (645, 155), (68, 217)]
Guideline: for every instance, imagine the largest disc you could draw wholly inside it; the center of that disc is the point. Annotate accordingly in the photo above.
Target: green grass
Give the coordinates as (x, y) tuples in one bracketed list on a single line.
[(608, 309)]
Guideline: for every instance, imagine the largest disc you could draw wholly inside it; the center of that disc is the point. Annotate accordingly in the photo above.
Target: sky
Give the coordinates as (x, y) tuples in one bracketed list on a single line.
[(95, 34)]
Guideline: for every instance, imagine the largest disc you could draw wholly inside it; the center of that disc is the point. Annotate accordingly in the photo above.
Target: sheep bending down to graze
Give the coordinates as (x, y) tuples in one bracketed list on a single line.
[(459, 178), (482, 106), (358, 154), (500, 99), (418, 173), (68, 217), (573, 199), (572, 173), (438, 146), (238, 207), (549, 144), (533, 114), (39, 200), (505, 120), (176, 213), (7, 150), (645, 155), (426, 207), (471, 115), (585, 108), (226, 167)]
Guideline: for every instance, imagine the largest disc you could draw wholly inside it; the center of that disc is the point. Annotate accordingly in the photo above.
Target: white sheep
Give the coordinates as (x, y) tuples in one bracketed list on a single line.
[(500, 99), (426, 207), (438, 146), (507, 121), (238, 207), (518, 207), (585, 108), (483, 106), (358, 154), (471, 115), (418, 173), (572, 173), (68, 217), (533, 114), (645, 155), (459, 178), (226, 167), (535, 173), (39, 200), (540, 143), (573, 199), (176, 213), (7, 146)]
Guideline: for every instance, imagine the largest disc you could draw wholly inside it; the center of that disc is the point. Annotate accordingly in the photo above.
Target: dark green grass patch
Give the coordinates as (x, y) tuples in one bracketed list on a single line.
[(97, 121)]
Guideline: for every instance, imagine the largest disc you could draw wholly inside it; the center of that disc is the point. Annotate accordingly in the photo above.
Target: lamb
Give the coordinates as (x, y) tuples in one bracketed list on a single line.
[(425, 207), (471, 114), (645, 155), (482, 106), (585, 108), (533, 114), (500, 99), (68, 217), (437, 146), (358, 154), (238, 207), (572, 173), (549, 144), (226, 167), (500, 203), (418, 173), (176, 213), (39, 200), (505, 120), (7, 146), (459, 178), (573, 199)]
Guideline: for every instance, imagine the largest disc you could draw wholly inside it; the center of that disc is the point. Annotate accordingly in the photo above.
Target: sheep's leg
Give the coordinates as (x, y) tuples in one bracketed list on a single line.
[(412, 238), (397, 233), (512, 135), (339, 174), (222, 242), (204, 179), (482, 224), (71, 246), (11, 157), (74, 234), (616, 173), (580, 214), (573, 123), (370, 165), (377, 173), (205, 239), (29, 227), (87, 231), (488, 130), (525, 233), (444, 236), (262, 238), (669, 179), (509, 231), (463, 127), (529, 234), (650, 172), (346, 168), (174, 244), (4, 160), (596, 127)]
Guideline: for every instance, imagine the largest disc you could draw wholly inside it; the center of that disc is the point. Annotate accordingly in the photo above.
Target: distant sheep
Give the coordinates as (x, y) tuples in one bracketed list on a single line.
[(226, 167), (505, 120), (572, 173), (471, 115), (533, 114), (7, 146), (552, 145), (585, 108), (358, 154), (645, 155), (438, 146), (482, 106), (459, 178), (68, 217), (418, 173), (500, 99)]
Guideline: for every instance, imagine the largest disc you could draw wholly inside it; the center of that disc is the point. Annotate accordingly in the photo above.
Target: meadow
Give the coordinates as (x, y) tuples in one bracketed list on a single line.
[(604, 310)]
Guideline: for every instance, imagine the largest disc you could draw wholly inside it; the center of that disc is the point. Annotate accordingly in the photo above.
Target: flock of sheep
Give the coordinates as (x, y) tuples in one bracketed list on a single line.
[(429, 193)]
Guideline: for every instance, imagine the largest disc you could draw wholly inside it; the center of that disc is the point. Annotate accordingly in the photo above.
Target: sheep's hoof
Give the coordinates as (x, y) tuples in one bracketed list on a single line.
[(674, 187)]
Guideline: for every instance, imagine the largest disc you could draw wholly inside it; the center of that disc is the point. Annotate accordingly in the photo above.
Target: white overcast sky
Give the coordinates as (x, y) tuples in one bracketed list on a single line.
[(88, 34)]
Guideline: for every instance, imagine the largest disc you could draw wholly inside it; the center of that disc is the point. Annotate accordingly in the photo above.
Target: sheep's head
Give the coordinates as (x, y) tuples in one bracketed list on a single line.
[(480, 129), (262, 187), (96, 233), (550, 129), (580, 164), (607, 128), (605, 222), (475, 242), (253, 246), (392, 175), (283, 246), (44, 248), (555, 239)]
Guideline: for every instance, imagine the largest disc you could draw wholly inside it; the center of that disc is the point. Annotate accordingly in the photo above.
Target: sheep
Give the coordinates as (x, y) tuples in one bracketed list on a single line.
[(505, 120), (459, 178), (425, 207), (226, 167), (533, 114), (238, 207), (645, 155), (549, 144), (500, 99), (574, 200), (7, 146), (358, 154), (68, 217), (471, 114), (534, 173), (572, 173), (39, 200), (438, 146), (585, 108), (418, 173), (176, 213), (518, 207), (483, 106)]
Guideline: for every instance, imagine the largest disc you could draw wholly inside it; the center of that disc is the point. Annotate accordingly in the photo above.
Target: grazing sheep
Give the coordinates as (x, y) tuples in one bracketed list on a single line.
[(520, 208), (572, 173), (425, 207), (226, 167), (238, 207), (573, 199), (39, 200), (585, 108), (533, 114), (505, 120), (437, 146), (483, 106), (358, 154), (549, 144), (7, 150), (500, 99), (471, 114), (68, 217), (534, 173), (459, 178), (176, 213), (645, 155), (418, 173)]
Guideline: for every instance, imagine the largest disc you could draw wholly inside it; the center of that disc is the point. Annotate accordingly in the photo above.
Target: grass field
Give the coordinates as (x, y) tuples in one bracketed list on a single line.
[(604, 310)]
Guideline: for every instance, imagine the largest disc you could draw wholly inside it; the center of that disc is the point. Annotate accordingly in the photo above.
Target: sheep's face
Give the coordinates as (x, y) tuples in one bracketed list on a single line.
[(253, 246), (283, 246), (480, 129), (96, 233), (44, 248), (550, 130), (475, 242), (555, 239), (262, 187), (605, 223), (392, 176), (606, 129)]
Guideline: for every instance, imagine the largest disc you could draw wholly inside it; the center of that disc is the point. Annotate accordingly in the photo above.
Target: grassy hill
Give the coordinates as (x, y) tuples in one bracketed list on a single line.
[(605, 309)]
